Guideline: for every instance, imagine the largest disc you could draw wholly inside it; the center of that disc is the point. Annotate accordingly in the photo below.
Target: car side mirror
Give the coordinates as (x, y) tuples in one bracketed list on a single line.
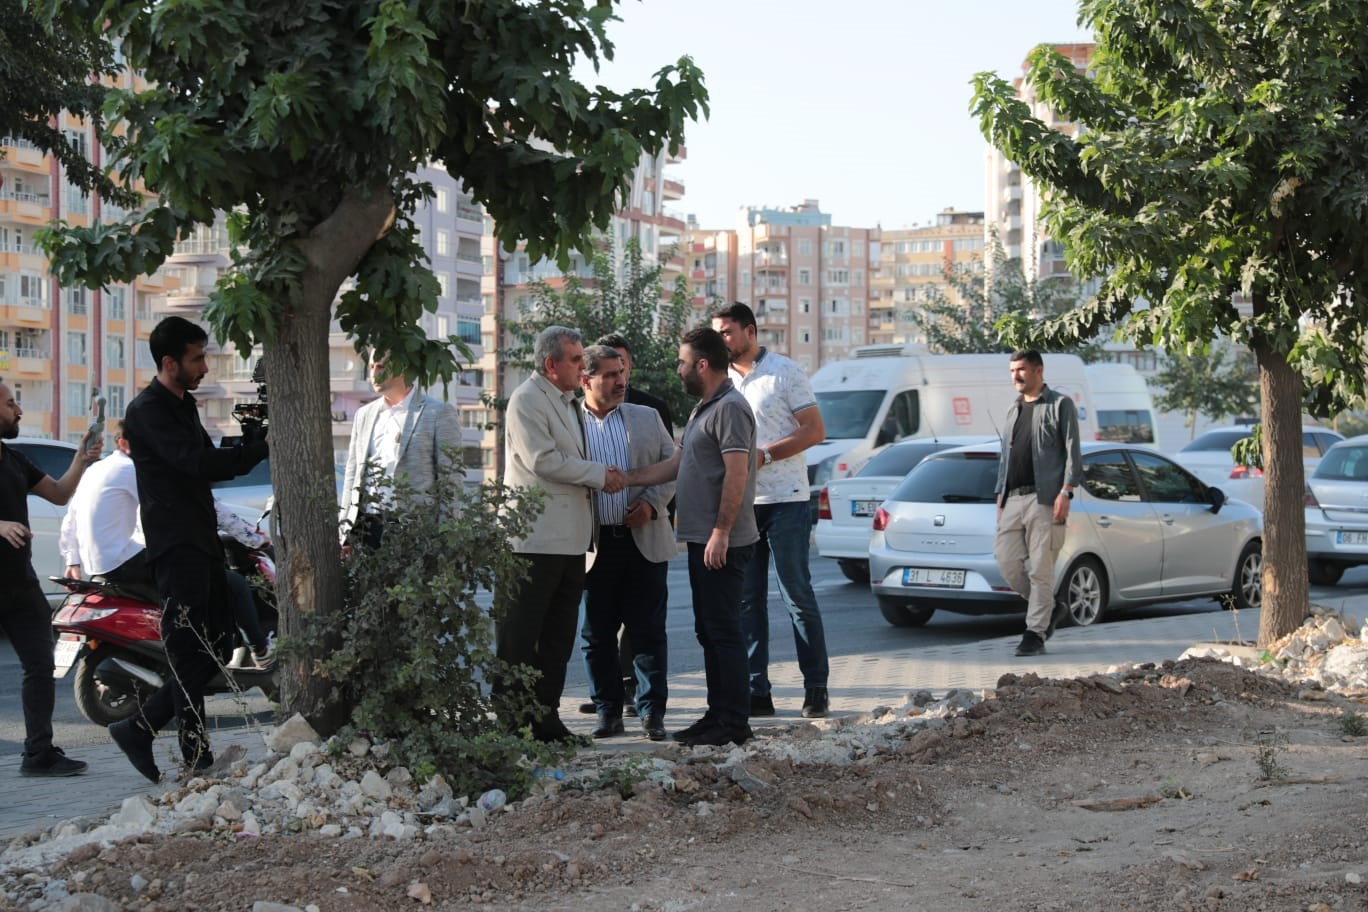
[(1217, 499)]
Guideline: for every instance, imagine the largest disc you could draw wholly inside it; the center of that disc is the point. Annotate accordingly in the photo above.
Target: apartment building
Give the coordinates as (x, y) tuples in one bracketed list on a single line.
[(58, 345), (1012, 201), (808, 281), (914, 267)]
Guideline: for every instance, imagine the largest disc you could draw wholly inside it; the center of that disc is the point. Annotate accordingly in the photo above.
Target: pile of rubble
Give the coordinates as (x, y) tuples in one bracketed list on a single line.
[(1329, 650)]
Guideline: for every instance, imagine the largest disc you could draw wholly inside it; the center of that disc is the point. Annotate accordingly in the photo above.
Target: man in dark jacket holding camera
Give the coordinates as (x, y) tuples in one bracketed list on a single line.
[(175, 462)]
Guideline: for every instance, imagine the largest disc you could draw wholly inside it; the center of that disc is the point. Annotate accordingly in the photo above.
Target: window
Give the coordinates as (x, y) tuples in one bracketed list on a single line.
[(76, 348), (443, 280), (805, 247), (78, 399), (1165, 482), (1108, 476), (77, 303), (33, 290), (115, 403), (836, 248), (805, 334), (805, 305), (116, 303), (838, 276), (442, 199), (805, 277), (115, 358), (443, 243)]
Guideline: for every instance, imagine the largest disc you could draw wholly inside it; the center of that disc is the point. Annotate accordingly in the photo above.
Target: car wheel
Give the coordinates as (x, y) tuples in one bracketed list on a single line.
[(857, 571), (1085, 590), (1323, 572), (100, 703), (900, 614)]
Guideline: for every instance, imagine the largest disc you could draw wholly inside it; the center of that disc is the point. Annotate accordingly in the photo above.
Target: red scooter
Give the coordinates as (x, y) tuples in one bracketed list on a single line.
[(111, 635)]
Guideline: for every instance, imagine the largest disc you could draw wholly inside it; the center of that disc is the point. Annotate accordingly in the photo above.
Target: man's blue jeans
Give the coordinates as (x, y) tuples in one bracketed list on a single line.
[(785, 531)]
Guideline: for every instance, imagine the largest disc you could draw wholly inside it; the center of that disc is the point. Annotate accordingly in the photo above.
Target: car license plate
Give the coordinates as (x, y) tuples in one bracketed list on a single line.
[(64, 656), (864, 507), (933, 576), (1352, 538)]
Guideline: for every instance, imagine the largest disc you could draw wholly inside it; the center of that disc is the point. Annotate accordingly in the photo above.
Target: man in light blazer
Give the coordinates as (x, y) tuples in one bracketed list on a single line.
[(545, 449), (626, 587), (406, 433)]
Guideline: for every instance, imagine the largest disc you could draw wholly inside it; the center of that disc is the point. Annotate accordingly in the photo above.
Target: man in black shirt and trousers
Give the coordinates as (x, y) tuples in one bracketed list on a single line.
[(175, 461)]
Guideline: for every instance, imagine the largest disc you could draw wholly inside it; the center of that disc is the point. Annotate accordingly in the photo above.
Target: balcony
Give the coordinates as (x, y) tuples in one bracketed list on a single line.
[(26, 312), (27, 207), (671, 190)]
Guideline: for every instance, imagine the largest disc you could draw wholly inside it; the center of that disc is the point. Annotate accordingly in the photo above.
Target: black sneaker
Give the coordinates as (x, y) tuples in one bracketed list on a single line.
[(1057, 617), (690, 730), (761, 706), (609, 724), (136, 743), (1032, 644), (717, 734), (589, 708), (52, 762), (815, 702)]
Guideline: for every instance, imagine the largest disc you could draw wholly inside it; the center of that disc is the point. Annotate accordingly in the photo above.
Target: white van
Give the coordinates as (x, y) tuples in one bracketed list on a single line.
[(1122, 407), (880, 396)]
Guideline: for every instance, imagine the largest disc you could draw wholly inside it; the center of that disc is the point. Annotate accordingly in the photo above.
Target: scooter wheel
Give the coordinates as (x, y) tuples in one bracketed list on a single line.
[(101, 703)]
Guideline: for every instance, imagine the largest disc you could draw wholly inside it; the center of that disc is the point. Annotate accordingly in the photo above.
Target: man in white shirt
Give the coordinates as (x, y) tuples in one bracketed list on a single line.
[(101, 533), (787, 422), (404, 433)]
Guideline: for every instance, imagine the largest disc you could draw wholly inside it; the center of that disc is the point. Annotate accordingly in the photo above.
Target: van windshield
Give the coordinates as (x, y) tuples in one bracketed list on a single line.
[(1125, 426), (849, 413)]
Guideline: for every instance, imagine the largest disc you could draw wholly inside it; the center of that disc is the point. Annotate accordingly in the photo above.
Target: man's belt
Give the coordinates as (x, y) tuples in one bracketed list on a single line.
[(1024, 489), (619, 531)]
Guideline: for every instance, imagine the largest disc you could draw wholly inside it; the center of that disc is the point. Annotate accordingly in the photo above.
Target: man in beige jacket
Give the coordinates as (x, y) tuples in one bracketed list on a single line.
[(545, 448)]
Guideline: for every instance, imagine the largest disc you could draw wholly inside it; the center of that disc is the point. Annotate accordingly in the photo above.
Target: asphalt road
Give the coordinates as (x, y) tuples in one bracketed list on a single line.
[(853, 626)]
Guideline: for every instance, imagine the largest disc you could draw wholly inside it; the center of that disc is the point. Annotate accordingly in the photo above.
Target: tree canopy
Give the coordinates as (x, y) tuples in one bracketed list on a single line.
[(1215, 381), (1218, 185), (992, 299), (47, 67), (306, 121)]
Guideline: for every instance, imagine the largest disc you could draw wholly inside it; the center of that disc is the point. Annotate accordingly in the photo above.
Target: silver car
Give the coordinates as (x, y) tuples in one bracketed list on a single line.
[(1208, 457), (845, 506), (1141, 529), (1337, 512)]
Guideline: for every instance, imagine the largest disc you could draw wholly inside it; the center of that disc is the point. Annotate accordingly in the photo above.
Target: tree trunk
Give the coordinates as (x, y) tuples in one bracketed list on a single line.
[(1285, 599), (309, 579)]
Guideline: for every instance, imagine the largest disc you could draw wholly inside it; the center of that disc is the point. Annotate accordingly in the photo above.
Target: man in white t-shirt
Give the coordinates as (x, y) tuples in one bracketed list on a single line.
[(787, 422)]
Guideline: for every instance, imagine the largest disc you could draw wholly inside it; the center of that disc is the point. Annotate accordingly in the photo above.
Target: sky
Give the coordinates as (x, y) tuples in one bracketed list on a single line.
[(862, 104)]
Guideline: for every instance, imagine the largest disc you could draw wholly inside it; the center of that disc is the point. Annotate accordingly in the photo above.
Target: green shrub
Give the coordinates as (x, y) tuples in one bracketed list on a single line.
[(417, 649)]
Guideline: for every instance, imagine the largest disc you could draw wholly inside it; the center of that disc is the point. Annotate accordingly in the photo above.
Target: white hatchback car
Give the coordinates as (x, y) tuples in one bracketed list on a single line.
[(1208, 457), (845, 506), (1141, 530), (1337, 512)]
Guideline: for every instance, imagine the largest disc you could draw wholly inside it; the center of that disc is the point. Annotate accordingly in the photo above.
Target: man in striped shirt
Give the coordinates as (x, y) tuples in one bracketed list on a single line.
[(626, 586)]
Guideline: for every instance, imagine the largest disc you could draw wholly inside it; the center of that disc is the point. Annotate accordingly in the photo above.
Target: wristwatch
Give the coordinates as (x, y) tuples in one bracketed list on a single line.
[(766, 456), (1068, 492)]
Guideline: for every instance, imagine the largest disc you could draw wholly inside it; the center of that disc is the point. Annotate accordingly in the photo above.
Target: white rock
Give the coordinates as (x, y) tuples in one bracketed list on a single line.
[(228, 811), (331, 830), (197, 805), (374, 786), (85, 902), (359, 748), (306, 754), (438, 786), (1333, 629), (136, 813), (291, 732), (399, 777), (1353, 877), (285, 788), (253, 776), (260, 906), (138, 883), (250, 826), (325, 777), (1344, 664)]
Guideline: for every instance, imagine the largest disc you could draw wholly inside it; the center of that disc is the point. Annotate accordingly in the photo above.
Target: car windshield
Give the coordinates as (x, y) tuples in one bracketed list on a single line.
[(260, 475), (849, 413), (950, 478), (1217, 440), (897, 461), (1344, 463)]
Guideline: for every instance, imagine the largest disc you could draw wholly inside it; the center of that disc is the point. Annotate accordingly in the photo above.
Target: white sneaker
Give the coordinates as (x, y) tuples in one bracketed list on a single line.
[(266, 658)]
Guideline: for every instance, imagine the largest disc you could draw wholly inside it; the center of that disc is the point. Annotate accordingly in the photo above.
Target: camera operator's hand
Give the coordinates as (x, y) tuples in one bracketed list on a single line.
[(254, 433)]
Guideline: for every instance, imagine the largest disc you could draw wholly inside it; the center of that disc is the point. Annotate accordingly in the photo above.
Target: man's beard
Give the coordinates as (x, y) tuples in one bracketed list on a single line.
[(693, 384), (186, 379), (9, 432)]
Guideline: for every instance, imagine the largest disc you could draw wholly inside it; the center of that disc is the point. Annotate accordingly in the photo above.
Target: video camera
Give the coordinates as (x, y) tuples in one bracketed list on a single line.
[(254, 416)]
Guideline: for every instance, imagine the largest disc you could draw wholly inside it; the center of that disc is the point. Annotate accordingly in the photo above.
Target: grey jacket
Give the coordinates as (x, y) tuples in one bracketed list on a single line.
[(1055, 453), (431, 432), (648, 443)]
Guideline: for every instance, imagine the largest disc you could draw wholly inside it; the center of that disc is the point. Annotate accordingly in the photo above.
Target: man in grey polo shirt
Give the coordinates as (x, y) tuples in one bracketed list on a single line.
[(715, 467)]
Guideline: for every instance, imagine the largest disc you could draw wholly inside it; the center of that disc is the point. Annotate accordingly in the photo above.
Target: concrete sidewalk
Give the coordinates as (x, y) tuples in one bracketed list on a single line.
[(857, 684)]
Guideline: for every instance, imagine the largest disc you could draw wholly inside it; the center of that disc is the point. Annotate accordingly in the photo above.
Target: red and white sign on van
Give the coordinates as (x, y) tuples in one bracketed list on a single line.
[(963, 410)]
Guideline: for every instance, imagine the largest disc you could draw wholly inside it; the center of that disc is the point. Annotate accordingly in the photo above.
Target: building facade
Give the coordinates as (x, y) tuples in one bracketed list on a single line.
[(915, 267)]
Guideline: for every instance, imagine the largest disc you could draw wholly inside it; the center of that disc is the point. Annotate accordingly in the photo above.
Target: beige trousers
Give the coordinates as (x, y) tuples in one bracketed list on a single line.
[(1027, 542)]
